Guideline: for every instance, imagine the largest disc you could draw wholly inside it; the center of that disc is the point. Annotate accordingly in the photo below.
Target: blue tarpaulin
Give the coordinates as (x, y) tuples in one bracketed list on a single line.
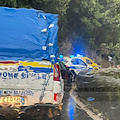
[(28, 34)]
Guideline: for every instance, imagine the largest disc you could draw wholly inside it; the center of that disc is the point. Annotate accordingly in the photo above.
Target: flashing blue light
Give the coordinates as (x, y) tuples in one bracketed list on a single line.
[(81, 55), (72, 56), (78, 55), (61, 56)]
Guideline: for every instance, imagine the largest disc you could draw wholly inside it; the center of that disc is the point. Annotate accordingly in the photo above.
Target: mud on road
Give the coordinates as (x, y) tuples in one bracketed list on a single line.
[(34, 113)]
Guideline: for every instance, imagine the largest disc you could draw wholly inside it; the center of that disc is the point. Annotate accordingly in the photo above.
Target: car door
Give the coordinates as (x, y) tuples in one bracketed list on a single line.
[(92, 64), (82, 64), (77, 65)]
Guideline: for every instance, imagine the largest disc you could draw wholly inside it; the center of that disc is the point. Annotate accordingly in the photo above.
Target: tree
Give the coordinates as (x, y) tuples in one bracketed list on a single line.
[(50, 6), (86, 22), (95, 21)]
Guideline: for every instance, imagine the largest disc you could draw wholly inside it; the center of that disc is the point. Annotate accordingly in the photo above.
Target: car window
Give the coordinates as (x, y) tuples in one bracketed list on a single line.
[(65, 61), (81, 62), (75, 61), (88, 61), (62, 66)]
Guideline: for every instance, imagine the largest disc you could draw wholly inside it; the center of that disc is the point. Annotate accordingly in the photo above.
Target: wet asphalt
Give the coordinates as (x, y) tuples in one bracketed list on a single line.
[(71, 111), (105, 101)]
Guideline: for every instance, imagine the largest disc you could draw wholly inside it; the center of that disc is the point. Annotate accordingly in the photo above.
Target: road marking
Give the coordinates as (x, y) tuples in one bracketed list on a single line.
[(83, 107)]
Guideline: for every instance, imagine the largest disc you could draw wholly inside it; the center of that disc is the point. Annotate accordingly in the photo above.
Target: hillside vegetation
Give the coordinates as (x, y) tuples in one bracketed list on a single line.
[(89, 27)]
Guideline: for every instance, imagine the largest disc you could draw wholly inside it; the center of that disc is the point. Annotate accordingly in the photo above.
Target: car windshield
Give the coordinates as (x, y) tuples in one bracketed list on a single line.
[(65, 61), (75, 61), (88, 61), (81, 62)]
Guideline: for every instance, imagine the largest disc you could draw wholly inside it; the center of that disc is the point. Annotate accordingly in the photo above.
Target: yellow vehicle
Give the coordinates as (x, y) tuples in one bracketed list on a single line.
[(89, 62)]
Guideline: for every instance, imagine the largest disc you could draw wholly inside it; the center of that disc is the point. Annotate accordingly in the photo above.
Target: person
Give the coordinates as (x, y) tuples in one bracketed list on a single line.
[(66, 73), (109, 59), (111, 62)]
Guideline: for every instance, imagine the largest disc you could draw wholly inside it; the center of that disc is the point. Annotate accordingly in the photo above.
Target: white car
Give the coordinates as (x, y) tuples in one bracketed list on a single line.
[(76, 64)]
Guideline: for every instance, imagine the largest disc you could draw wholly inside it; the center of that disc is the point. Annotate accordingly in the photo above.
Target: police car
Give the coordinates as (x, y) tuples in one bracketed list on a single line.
[(89, 62), (76, 64)]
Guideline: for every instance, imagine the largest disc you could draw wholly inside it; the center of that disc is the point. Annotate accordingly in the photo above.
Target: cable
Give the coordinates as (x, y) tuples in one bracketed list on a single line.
[(44, 86)]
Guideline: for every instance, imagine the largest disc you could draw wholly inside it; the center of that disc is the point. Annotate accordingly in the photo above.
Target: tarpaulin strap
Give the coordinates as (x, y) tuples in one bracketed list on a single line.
[(44, 86)]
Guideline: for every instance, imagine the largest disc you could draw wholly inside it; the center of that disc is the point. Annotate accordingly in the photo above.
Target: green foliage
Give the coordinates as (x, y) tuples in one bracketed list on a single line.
[(110, 49), (50, 6), (53, 6), (95, 23)]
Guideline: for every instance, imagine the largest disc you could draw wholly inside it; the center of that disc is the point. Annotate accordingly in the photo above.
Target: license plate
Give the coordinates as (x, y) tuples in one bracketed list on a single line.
[(12, 100)]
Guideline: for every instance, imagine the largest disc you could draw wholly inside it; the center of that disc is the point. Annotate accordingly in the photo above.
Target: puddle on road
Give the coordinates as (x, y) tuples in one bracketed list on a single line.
[(106, 102), (71, 109)]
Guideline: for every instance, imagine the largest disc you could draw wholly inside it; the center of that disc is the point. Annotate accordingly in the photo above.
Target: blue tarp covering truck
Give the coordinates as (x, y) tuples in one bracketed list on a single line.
[(29, 72), (28, 34)]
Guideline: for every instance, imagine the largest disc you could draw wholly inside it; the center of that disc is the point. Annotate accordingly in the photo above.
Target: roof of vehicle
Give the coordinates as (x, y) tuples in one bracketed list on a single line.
[(28, 34), (85, 58), (67, 58), (93, 63)]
